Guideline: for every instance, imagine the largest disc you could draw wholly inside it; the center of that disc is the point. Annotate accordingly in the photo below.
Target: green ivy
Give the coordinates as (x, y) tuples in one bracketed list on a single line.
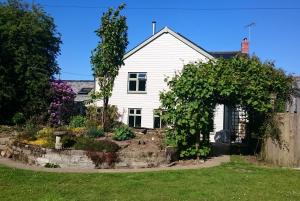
[(193, 94)]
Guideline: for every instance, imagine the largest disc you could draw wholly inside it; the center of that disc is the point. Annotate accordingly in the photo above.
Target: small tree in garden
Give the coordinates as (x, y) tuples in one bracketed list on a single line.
[(242, 81), (61, 107), (107, 57)]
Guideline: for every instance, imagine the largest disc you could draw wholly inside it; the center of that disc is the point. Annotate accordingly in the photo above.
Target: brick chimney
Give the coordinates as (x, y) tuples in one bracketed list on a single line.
[(245, 46)]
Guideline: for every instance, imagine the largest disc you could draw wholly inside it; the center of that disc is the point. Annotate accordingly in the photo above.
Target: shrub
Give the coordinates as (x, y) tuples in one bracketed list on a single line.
[(111, 119), (18, 118), (95, 132), (192, 152), (45, 132), (30, 130), (68, 141), (51, 165), (99, 158), (89, 144), (77, 121), (123, 133), (91, 123), (62, 103), (45, 138), (78, 131)]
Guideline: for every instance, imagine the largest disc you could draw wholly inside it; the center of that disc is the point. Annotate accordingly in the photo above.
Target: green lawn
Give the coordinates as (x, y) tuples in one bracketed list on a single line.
[(236, 180)]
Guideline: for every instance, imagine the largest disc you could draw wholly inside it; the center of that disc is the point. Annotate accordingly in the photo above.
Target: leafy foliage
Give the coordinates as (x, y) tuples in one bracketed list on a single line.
[(78, 121), (18, 118), (90, 144), (61, 107), (123, 133), (107, 57), (95, 132), (51, 165), (29, 45), (194, 93), (94, 114)]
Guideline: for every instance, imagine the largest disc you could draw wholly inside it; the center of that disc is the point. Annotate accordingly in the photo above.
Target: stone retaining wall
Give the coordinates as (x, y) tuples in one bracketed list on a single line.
[(35, 155)]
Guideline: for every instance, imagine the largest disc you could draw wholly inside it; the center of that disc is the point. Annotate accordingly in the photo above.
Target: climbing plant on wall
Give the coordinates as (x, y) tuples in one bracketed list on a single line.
[(257, 87)]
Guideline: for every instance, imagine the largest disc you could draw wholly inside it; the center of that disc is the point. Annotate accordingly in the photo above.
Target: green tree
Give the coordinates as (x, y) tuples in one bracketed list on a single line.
[(242, 81), (29, 45), (107, 57)]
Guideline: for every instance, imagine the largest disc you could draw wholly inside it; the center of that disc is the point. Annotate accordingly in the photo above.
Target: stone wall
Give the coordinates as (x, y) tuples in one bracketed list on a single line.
[(126, 157)]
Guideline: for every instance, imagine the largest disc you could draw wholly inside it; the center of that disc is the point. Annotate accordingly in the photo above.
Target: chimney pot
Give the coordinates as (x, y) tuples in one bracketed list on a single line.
[(245, 46)]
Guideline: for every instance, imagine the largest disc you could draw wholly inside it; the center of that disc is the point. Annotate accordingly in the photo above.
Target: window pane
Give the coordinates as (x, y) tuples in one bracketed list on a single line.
[(131, 121), (132, 75), (156, 122), (142, 75), (138, 121), (142, 85), (131, 111), (138, 111), (132, 85)]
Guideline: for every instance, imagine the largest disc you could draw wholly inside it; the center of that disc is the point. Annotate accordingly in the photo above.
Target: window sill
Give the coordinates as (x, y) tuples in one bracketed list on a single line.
[(136, 92)]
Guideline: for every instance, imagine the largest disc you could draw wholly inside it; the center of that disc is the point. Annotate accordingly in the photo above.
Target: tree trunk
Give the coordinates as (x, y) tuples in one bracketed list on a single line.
[(105, 104), (197, 145)]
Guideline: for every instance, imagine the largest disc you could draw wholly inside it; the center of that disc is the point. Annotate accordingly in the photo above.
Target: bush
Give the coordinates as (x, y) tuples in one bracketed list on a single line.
[(68, 141), (78, 131), (51, 165), (89, 144), (45, 137), (192, 152), (123, 133), (18, 118), (77, 121), (91, 123), (111, 119), (95, 132), (30, 130)]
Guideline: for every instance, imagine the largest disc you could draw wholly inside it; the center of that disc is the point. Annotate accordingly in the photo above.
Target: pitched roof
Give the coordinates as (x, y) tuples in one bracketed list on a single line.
[(80, 87), (176, 35), (225, 54)]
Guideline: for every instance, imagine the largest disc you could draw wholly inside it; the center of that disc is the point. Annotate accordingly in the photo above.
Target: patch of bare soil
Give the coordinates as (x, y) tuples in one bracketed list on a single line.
[(149, 142)]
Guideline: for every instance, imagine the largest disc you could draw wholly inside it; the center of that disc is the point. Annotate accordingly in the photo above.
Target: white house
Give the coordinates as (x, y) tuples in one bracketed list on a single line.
[(142, 77)]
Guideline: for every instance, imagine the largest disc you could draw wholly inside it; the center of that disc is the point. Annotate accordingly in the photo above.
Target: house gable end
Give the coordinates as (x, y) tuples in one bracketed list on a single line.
[(167, 30)]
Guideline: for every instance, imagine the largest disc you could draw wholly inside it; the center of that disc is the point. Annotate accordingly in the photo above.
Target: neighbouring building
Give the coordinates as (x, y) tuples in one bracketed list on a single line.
[(82, 88), (142, 78)]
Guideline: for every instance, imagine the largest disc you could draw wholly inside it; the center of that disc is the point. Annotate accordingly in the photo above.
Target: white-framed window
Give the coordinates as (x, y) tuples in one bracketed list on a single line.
[(135, 117), (158, 122), (137, 82)]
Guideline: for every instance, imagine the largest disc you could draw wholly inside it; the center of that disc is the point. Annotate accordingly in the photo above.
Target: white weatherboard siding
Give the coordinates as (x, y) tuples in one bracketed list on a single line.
[(219, 118), (160, 58)]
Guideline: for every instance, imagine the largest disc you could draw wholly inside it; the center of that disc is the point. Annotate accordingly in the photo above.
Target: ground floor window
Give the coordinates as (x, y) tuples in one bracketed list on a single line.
[(158, 122), (134, 117)]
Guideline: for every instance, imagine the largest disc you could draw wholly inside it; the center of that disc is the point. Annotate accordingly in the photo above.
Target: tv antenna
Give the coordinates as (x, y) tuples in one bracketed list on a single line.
[(249, 26)]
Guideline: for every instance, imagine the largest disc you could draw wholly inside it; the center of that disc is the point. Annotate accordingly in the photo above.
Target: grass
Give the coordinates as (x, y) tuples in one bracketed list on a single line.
[(236, 180)]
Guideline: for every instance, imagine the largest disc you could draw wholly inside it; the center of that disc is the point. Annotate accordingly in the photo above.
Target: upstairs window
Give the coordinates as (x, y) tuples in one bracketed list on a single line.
[(134, 117), (137, 82)]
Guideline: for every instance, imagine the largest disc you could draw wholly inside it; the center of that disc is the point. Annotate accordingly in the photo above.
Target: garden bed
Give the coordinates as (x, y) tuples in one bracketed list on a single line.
[(143, 151)]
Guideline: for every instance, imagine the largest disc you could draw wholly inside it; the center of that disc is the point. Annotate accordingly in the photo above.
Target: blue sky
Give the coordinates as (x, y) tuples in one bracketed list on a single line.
[(275, 36)]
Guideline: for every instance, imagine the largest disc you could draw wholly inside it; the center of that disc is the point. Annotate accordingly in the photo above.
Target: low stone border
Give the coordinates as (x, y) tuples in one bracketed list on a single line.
[(216, 161), (69, 158)]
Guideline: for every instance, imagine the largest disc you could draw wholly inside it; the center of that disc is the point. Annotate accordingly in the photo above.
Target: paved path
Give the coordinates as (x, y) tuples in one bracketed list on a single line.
[(209, 163)]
